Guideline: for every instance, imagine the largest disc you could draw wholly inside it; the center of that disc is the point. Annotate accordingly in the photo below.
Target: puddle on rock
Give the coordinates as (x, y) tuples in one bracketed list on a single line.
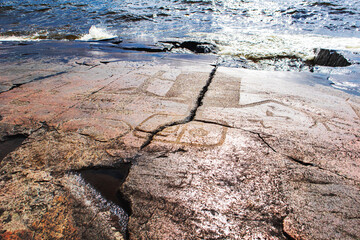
[(107, 182), (10, 144)]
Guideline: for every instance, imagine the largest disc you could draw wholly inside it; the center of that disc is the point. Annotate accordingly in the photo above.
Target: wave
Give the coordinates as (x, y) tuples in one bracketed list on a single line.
[(97, 33), (16, 38), (37, 36), (265, 45)]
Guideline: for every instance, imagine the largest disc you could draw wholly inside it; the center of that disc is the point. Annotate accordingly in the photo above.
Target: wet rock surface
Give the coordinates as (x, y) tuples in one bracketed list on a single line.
[(215, 152), (331, 58)]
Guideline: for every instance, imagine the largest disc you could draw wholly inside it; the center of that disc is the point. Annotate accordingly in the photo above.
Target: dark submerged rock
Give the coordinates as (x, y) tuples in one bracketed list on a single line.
[(194, 46), (115, 40), (330, 58), (199, 47), (141, 47)]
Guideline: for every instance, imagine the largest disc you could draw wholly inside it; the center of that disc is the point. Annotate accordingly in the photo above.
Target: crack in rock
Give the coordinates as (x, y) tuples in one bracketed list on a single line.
[(192, 114), (301, 162), (296, 160), (16, 85), (224, 124), (264, 141)]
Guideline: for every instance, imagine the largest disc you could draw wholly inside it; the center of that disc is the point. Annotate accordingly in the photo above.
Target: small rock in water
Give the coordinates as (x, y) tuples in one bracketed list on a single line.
[(194, 46), (330, 58), (199, 47), (141, 47), (115, 40)]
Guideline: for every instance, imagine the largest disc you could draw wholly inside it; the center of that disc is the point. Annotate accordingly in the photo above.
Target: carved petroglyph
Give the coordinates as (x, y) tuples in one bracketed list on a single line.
[(186, 87), (148, 80), (200, 134), (192, 133), (261, 104), (136, 82), (155, 84), (259, 121), (171, 74), (126, 83), (294, 114), (273, 109), (159, 87), (99, 129), (155, 120), (123, 97)]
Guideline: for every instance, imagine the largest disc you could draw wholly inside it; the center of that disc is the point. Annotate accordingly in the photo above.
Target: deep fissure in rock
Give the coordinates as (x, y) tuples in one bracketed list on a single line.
[(10, 144), (215, 123), (200, 98), (265, 142), (300, 161), (107, 182), (192, 114)]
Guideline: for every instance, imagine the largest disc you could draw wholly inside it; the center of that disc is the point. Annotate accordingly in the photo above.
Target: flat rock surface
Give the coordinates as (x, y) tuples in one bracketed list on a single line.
[(216, 153)]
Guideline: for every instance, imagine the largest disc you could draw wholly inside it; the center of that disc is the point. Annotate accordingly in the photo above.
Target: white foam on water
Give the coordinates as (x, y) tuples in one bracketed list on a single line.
[(17, 39), (97, 33), (261, 44), (37, 36)]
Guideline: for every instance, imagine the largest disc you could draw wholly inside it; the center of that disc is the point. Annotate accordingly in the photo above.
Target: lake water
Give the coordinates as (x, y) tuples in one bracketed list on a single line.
[(277, 31)]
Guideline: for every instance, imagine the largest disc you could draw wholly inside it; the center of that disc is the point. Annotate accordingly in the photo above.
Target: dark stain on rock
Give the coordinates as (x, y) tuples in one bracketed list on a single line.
[(10, 144), (107, 182)]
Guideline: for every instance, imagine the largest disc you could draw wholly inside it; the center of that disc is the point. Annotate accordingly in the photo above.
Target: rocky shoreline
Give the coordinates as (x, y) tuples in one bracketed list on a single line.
[(215, 152)]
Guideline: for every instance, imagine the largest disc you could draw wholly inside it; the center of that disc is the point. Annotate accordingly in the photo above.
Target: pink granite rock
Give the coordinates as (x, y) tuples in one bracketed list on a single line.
[(216, 152)]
